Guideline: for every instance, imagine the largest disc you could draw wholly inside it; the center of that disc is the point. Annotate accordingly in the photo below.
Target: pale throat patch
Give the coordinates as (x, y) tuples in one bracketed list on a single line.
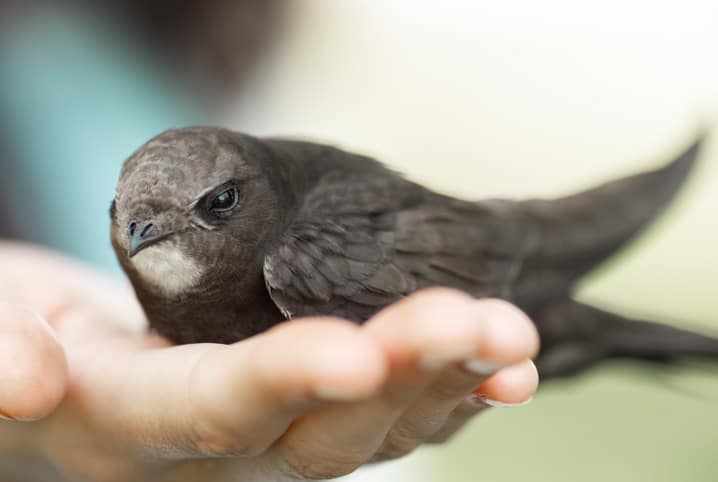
[(166, 267)]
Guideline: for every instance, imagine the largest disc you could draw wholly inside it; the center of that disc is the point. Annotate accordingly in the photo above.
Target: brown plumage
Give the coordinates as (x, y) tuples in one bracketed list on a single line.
[(224, 235)]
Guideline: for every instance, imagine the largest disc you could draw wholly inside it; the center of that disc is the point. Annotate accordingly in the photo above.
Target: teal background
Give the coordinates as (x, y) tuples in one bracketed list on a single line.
[(81, 95)]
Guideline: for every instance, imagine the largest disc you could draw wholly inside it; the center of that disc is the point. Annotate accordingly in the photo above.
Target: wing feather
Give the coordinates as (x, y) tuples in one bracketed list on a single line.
[(366, 237)]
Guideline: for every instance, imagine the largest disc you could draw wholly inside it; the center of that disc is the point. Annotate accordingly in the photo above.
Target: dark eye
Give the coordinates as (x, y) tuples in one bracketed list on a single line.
[(224, 201)]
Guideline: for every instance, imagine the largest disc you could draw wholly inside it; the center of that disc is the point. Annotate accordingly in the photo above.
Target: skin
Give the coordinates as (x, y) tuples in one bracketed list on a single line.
[(311, 399)]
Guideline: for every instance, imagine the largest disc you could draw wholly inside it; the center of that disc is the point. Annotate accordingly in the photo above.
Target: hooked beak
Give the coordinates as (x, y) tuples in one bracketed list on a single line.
[(143, 234)]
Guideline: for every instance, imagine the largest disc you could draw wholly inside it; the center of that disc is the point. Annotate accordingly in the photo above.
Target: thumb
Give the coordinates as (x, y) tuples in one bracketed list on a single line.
[(33, 367)]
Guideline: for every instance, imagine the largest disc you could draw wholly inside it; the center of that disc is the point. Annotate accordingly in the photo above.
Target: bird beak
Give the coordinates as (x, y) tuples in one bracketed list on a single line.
[(142, 234)]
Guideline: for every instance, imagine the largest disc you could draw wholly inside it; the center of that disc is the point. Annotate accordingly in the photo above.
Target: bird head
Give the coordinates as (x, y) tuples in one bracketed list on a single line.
[(193, 204)]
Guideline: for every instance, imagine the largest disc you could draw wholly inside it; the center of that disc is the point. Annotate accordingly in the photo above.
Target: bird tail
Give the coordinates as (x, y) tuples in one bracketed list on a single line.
[(595, 223), (576, 336), (567, 237)]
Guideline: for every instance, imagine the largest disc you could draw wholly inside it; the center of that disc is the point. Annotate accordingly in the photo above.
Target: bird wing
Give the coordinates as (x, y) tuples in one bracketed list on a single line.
[(337, 257), (364, 240), (336, 266), (532, 252)]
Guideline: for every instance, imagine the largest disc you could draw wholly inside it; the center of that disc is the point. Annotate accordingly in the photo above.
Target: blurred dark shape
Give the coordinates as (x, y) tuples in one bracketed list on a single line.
[(576, 336), (210, 46), (214, 43)]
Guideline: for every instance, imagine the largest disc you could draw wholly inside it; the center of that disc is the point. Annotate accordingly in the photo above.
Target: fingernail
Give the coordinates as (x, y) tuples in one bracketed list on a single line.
[(481, 367), (498, 404)]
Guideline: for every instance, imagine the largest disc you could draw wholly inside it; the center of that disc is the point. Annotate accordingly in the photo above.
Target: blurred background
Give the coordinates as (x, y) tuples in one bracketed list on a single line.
[(475, 98)]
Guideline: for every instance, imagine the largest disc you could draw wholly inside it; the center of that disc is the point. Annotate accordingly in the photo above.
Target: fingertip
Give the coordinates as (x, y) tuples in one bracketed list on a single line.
[(33, 367), (509, 335), (446, 325), (511, 385)]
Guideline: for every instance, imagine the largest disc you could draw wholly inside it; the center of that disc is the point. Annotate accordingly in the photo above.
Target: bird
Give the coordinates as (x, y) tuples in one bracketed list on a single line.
[(223, 235)]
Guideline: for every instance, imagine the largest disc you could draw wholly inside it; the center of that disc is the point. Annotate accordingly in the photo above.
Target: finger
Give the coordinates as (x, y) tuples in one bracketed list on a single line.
[(33, 368), (510, 387), (420, 335), (50, 283), (220, 400), (507, 335), (486, 334), (290, 370)]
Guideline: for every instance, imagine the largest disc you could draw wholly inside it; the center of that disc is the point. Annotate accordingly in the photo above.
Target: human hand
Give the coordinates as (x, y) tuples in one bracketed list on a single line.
[(309, 399)]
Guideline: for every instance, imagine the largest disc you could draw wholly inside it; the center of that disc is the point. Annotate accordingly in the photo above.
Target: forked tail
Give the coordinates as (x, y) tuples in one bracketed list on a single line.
[(576, 336)]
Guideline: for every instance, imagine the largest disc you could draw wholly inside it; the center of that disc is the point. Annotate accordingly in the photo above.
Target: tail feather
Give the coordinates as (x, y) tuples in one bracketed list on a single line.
[(576, 336), (653, 341), (594, 223), (573, 234)]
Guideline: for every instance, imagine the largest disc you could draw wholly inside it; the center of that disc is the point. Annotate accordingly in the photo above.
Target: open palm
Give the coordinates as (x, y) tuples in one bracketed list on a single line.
[(310, 399)]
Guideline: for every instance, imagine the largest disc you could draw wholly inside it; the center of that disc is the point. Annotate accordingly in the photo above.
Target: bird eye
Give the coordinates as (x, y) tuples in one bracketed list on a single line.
[(224, 201)]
